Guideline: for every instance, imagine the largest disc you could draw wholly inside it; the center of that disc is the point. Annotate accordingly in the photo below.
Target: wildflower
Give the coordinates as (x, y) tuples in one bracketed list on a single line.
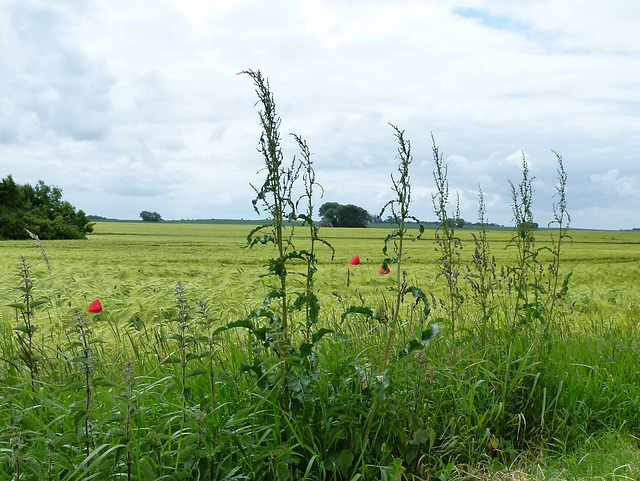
[(95, 307), (355, 260), (163, 356), (385, 270)]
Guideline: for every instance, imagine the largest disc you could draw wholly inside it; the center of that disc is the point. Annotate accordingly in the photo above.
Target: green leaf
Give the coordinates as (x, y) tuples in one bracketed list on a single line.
[(431, 332), (73, 386), (101, 381), (333, 251), (251, 241), (272, 294), (241, 323), (388, 239), (421, 436), (345, 460), (319, 334), (420, 227), (197, 372), (34, 304), (172, 360), (255, 367), (365, 311), (420, 296), (310, 300), (414, 344), (306, 349), (171, 386), (78, 412), (307, 219)]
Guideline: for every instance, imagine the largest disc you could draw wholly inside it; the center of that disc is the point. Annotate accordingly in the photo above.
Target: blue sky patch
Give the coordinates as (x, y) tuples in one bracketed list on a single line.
[(499, 22)]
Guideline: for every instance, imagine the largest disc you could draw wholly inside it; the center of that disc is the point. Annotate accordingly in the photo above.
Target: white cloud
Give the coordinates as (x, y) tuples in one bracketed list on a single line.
[(142, 99), (625, 187)]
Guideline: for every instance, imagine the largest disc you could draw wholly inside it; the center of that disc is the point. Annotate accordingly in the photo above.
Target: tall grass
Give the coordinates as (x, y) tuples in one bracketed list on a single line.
[(293, 375)]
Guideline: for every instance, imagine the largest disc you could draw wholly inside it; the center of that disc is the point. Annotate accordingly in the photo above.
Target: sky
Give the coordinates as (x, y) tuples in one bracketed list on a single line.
[(137, 105)]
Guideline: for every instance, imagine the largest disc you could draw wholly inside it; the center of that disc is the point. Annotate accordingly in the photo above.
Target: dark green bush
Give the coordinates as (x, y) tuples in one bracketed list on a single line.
[(39, 210)]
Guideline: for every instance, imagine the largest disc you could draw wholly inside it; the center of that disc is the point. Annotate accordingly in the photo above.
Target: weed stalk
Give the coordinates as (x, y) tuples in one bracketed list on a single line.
[(562, 219), (399, 209), (448, 245), (482, 277), (24, 333), (275, 197), (524, 240)]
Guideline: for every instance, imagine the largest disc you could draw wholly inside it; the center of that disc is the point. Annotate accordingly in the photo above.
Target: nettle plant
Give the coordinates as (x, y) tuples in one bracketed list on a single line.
[(28, 352)]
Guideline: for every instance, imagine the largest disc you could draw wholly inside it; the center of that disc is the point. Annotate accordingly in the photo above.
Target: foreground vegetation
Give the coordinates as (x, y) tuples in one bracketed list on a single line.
[(527, 400), (167, 351)]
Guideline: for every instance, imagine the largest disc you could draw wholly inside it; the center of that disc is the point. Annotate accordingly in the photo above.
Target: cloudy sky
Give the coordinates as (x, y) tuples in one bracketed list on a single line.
[(136, 105)]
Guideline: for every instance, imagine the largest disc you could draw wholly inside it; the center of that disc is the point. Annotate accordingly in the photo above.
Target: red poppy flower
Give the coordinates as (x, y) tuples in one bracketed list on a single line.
[(355, 260), (385, 270), (95, 307)]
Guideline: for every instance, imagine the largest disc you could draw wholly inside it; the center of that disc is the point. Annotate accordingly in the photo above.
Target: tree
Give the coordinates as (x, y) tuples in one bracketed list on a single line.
[(41, 211), (338, 215), (353, 216), (329, 213), (150, 216)]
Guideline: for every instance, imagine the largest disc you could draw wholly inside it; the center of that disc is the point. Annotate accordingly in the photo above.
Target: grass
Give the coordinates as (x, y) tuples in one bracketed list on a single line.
[(170, 397)]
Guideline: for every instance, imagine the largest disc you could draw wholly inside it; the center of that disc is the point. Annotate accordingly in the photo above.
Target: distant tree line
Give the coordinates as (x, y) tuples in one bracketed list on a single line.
[(338, 215), (41, 211), (333, 214)]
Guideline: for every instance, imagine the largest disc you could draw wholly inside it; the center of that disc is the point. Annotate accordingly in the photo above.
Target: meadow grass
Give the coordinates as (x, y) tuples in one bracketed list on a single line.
[(157, 386)]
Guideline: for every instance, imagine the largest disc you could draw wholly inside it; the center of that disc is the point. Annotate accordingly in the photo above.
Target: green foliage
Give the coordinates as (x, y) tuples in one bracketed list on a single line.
[(40, 210), (458, 407), (338, 215), (147, 216)]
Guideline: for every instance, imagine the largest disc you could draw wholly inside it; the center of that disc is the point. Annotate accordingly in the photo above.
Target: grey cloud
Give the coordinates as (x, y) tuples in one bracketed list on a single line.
[(51, 87), (621, 186)]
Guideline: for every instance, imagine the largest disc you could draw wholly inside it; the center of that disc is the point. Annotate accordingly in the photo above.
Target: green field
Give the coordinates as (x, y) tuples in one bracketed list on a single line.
[(213, 258), (158, 391)]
